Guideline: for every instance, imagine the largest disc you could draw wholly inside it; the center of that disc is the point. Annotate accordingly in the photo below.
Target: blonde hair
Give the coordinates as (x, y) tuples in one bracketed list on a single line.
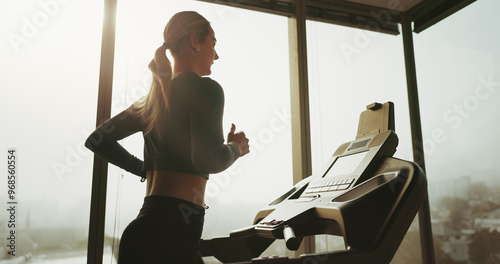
[(153, 107)]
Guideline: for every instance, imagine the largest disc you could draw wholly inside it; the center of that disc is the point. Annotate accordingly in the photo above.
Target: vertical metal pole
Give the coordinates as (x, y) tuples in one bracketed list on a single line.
[(301, 139), (99, 180), (424, 218), (299, 92)]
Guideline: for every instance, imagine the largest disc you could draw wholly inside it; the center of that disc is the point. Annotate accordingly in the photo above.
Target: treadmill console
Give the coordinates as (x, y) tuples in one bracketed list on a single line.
[(362, 194), (351, 164)]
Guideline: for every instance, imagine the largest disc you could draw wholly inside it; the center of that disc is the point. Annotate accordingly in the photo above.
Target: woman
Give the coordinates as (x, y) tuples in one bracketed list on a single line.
[(181, 120)]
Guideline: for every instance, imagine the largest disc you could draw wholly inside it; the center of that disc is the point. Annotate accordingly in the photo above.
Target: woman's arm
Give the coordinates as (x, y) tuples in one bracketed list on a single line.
[(208, 151), (104, 142)]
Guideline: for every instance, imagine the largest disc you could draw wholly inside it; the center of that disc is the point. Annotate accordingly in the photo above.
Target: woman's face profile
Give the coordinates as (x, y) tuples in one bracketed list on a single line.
[(207, 53)]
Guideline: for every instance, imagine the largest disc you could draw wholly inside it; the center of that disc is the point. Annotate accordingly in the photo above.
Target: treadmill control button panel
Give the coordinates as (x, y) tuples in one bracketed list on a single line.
[(336, 185)]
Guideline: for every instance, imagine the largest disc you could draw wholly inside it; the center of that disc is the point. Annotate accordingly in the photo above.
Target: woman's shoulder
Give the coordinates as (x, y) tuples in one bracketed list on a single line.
[(206, 84), (195, 85)]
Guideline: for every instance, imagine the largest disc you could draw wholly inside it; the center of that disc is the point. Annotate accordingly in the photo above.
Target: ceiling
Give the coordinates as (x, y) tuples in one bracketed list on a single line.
[(385, 14), (399, 5)]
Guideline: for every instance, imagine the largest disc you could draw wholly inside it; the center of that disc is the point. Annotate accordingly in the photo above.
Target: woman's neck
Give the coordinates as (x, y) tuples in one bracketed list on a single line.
[(185, 62)]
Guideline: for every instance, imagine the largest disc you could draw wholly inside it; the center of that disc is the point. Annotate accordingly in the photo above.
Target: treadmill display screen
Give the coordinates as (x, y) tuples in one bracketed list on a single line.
[(346, 164)]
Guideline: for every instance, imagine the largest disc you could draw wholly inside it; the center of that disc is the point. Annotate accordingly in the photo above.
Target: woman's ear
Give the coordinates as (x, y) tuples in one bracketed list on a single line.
[(193, 41)]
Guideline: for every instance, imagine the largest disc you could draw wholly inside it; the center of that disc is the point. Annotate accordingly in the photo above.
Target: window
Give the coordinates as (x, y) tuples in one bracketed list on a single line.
[(253, 70), (458, 77), (50, 68), (348, 70)]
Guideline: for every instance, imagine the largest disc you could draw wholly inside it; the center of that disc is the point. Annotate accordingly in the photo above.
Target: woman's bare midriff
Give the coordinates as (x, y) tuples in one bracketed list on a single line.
[(188, 187)]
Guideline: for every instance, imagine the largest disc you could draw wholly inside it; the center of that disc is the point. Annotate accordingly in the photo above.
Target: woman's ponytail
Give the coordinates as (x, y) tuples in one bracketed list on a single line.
[(162, 73), (153, 107)]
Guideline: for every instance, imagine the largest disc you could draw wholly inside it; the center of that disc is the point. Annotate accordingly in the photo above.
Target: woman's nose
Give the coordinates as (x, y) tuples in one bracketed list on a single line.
[(216, 56)]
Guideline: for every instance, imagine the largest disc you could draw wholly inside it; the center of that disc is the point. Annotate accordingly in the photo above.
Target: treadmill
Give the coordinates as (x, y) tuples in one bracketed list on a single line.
[(362, 194)]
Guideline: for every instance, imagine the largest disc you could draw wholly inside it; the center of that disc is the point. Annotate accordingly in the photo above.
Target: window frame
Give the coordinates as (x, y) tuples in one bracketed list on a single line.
[(301, 142)]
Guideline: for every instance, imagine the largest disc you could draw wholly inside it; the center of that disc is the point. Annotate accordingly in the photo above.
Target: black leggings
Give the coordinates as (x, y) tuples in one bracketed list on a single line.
[(167, 230)]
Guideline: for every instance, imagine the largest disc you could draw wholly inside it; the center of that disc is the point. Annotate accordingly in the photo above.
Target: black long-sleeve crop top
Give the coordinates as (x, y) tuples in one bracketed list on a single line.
[(192, 140)]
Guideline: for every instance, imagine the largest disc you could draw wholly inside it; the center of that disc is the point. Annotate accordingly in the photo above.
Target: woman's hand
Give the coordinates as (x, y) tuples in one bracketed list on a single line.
[(239, 139)]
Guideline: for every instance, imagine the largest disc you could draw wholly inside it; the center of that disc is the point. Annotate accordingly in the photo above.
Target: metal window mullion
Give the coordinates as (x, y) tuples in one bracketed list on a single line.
[(95, 246), (301, 140), (299, 94), (424, 219)]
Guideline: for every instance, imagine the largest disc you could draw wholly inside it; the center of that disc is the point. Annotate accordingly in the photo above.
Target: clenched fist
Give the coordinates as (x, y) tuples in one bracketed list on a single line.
[(240, 139)]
